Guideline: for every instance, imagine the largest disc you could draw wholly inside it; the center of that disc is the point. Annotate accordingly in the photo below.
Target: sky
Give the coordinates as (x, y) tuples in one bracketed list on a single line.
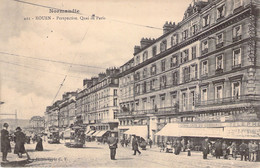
[(29, 82)]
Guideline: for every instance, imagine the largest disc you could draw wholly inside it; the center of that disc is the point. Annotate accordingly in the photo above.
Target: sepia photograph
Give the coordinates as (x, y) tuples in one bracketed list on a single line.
[(130, 83)]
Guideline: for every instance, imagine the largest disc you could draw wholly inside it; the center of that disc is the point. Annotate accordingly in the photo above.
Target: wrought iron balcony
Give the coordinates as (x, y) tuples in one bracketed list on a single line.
[(155, 111), (228, 100)]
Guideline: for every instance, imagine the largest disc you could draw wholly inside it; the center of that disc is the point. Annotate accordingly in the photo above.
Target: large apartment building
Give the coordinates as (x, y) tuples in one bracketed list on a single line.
[(97, 103), (202, 74)]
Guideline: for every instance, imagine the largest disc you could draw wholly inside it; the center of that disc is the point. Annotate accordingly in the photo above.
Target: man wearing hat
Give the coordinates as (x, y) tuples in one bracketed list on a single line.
[(112, 143), (5, 142), (205, 147), (19, 142)]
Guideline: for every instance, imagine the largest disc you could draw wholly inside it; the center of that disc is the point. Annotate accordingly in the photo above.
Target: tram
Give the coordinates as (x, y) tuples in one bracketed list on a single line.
[(74, 137)]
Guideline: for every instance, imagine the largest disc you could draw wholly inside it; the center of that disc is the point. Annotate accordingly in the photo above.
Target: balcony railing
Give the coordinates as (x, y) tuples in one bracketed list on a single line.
[(155, 111), (228, 100)]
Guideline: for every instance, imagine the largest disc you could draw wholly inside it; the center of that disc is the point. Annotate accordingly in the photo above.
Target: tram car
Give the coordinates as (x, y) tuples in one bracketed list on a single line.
[(53, 137), (74, 137)]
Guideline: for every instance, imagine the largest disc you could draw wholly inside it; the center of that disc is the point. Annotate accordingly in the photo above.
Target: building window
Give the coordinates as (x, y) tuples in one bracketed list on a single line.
[(193, 72), (174, 61), (163, 65), (237, 3), (137, 76), (204, 47), (205, 21), (152, 84), (185, 34), (145, 56), (220, 12), (115, 92), (236, 90), (163, 82), (194, 29), (162, 102), (204, 95), (218, 92), (237, 33), (152, 100), (137, 60), (186, 74), (144, 103), (184, 56), (154, 50), (163, 45), (204, 68), (184, 101), (174, 40), (192, 99), (153, 69), (219, 63), (137, 89), (193, 52), (219, 40), (115, 102), (175, 78), (144, 72), (173, 99), (237, 58), (144, 87)]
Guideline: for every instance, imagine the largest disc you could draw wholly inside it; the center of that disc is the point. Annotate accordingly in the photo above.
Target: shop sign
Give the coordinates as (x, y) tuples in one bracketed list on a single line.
[(219, 124), (242, 132)]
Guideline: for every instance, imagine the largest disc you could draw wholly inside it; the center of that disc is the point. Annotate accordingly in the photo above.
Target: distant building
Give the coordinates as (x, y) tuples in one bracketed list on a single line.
[(98, 101), (37, 124)]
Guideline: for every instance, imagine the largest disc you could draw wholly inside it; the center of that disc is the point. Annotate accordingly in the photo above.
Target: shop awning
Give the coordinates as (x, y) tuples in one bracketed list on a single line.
[(202, 132), (90, 132), (95, 134), (141, 131), (242, 133), (101, 133), (170, 129)]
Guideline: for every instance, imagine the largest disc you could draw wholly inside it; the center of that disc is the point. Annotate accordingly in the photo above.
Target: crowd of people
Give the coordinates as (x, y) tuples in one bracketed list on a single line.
[(226, 149), (20, 139)]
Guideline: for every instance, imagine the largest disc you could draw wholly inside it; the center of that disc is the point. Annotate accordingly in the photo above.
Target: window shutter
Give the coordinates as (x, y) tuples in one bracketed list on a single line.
[(196, 71)]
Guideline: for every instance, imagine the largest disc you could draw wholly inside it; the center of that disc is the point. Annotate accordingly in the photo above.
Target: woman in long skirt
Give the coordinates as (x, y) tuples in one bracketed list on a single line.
[(39, 146)]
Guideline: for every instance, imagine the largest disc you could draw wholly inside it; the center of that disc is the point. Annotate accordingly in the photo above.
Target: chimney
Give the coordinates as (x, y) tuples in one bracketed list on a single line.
[(87, 82), (168, 26), (145, 42), (137, 49), (94, 80), (101, 76)]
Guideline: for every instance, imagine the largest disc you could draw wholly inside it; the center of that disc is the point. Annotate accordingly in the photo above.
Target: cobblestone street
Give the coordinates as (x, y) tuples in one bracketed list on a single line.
[(97, 155)]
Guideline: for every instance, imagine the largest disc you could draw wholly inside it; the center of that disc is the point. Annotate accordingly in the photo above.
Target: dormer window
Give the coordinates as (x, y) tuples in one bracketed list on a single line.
[(185, 34), (205, 21), (145, 56), (163, 45), (204, 47), (174, 40), (154, 51), (237, 33), (220, 11), (194, 29)]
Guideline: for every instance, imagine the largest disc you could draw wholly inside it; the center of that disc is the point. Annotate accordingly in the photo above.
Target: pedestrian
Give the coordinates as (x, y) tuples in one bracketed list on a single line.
[(243, 148), (5, 142), (39, 146), (189, 147), (224, 150), (19, 142), (178, 147), (218, 149), (150, 142), (234, 150), (126, 142), (112, 143), (135, 145), (205, 148), (162, 146), (122, 142)]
